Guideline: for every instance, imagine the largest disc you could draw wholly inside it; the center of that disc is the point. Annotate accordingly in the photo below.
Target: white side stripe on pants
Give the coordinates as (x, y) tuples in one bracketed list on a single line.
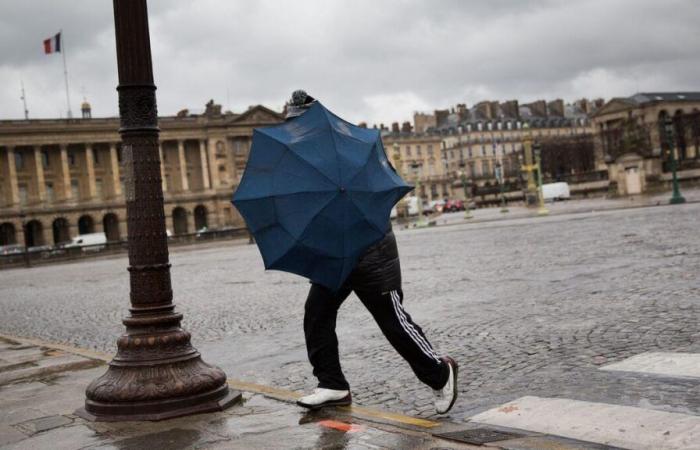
[(410, 330)]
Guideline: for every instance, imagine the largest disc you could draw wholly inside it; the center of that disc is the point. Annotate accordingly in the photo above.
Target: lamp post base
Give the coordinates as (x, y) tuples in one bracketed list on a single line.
[(677, 200), (159, 410)]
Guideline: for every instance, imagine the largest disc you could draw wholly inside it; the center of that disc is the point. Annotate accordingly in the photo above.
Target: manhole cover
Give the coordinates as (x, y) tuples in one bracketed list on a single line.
[(479, 436)]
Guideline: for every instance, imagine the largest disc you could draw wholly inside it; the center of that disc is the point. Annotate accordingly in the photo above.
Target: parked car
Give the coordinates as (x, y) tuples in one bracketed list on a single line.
[(556, 191), (11, 249), (454, 205), (89, 241), (436, 206)]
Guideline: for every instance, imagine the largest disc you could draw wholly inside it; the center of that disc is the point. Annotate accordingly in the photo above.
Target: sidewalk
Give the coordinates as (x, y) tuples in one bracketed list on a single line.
[(41, 385), (576, 206)]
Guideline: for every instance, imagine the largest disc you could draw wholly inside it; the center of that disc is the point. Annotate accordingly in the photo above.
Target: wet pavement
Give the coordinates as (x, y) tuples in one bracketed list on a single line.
[(528, 306)]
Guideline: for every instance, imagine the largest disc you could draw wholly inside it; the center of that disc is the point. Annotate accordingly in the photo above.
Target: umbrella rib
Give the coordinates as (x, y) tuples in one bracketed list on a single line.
[(297, 241), (362, 213), (297, 156), (286, 194), (335, 144)]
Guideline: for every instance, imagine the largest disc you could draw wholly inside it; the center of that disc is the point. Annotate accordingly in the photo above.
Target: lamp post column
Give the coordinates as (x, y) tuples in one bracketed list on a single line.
[(542, 211), (528, 167), (676, 197), (467, 197), (156, 373), (398, 164)]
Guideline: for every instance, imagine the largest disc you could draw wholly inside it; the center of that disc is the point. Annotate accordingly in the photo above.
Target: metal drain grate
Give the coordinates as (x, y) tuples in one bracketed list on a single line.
[(479, 436)]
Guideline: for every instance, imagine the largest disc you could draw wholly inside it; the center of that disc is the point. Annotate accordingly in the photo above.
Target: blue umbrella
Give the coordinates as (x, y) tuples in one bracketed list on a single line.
[(317, 191)]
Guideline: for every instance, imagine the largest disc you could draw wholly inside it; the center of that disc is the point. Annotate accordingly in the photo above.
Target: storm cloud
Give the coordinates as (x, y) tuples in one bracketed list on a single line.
[(375, 61)]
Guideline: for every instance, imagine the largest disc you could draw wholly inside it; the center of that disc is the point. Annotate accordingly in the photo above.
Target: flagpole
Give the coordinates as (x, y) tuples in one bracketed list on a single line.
[(65, 73), (24, 102)]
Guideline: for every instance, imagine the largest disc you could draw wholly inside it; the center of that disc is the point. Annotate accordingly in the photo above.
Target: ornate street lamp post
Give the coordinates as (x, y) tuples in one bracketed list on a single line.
[(676, 198), (542, 211), (499, 178), (156, 373), (398, 164), (419, 197), (529, 167), (25, 235), (467, 197)]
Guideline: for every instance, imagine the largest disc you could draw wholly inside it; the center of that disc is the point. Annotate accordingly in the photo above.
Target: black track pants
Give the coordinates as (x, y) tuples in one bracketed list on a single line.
[(405, 336)]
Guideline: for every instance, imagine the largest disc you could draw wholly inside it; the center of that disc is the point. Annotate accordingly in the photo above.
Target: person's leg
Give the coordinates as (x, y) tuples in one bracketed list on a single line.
[(320, 313), (406, 337)]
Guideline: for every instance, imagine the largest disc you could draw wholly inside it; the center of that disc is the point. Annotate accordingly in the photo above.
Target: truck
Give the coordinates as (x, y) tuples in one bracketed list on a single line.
[(88, 241), (555, 191)]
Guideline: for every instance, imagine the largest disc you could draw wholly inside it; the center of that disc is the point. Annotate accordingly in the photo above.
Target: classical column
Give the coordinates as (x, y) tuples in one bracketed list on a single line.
[(156, 373), (184, 183), (164, 182), (114, 169), (205, 165), (38, 168), (90, 172), (67, 193), (213, 165), (13, 190)]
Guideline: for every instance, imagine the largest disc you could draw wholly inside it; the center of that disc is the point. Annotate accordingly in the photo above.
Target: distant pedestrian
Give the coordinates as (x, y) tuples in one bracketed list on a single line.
[(376, 279)]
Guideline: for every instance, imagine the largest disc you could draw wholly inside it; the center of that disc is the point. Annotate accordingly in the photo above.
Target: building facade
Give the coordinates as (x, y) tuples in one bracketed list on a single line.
[(65, 177), (421, 162), (633, 144), (480, 142)]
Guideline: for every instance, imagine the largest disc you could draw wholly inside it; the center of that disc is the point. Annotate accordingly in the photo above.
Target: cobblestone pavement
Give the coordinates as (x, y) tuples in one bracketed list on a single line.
[(530, 306)]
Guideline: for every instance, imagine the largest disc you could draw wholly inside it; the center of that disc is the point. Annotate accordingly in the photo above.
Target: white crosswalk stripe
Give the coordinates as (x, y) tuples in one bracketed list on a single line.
[(601, 423), (659, 363)]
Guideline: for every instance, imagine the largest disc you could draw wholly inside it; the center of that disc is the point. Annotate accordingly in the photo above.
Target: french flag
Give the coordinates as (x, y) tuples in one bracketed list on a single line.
[(53, 44)]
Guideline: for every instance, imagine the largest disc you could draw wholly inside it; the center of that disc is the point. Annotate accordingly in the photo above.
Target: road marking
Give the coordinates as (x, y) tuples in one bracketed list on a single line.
[(359, 411), (660, 363), (602, 423), (270, 391)]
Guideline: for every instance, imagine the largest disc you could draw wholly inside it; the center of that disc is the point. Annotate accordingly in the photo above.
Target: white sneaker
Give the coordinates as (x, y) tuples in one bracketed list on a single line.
[(325, 397), (445, 397)]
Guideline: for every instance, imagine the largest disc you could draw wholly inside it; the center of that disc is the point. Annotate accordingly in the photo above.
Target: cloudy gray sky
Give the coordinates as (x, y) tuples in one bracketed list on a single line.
[(373, 60)]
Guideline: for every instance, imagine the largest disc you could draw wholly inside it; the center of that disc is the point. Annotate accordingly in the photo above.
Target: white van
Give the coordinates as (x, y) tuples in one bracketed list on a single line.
[(90, 240), (555, 191)]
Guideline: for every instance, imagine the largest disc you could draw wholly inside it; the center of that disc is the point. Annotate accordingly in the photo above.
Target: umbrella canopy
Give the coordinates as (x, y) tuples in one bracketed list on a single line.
[(316, 193)]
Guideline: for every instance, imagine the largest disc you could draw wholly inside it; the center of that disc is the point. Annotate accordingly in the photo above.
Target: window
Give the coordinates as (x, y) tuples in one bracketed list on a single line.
[(71, 159), (44, 159), (95, 156), (98, 187), (430, 150), (23, 194), (418, 152), (484, 167), (19, 161), (49, 192), (408, 150), (75, 189)]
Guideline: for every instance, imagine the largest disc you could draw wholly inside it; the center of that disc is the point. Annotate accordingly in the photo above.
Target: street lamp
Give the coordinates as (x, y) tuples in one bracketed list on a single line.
[(467, 197), (676, 198), (499, 178), (529, 167), (398, 164), (419, 198), (542, 211), (25, 235), (156, 373)]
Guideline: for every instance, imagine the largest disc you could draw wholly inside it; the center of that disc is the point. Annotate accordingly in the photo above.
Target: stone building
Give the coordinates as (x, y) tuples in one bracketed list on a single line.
[(631, 141), (421, 160), (65, 177), (478, 140)]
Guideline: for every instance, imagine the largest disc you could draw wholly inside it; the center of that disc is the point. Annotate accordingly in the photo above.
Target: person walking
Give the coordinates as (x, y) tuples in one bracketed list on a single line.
[(376, 279)]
